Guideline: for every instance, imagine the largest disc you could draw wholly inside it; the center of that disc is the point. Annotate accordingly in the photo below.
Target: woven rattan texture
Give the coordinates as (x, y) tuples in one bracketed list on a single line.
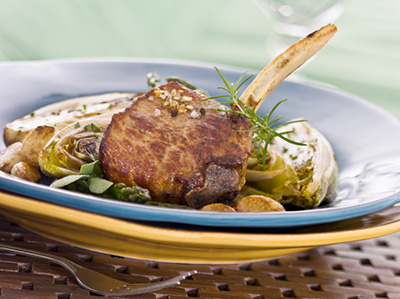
[(366, 269)]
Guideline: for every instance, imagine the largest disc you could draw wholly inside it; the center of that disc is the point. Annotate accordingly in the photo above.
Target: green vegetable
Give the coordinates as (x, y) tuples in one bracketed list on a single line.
[(153, 80), (90, 176), (315, 165), (303, 176), (186, 84), (90, 181), (68, 180), (72, 147), (276, 177)]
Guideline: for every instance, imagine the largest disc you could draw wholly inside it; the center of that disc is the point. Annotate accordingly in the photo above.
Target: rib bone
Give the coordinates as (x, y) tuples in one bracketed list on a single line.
[(284, 64)]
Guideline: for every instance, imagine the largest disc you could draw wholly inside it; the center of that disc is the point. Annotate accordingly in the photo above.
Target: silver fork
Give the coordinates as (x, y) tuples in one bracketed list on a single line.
[(96, 282)]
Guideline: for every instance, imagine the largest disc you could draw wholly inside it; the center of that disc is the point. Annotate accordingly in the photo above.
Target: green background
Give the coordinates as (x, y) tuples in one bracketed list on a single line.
[(363, 58)]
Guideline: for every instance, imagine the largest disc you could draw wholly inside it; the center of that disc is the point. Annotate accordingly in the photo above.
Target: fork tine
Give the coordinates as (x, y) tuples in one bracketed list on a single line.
[(94, 281), (141, 288), (104, 285)]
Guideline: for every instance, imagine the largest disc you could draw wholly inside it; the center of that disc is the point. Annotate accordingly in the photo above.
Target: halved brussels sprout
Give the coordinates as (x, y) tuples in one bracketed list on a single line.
[(72, 147)]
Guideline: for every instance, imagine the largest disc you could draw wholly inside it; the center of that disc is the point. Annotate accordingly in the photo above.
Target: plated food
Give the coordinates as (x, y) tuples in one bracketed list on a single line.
[(183, 148), (328, 109)]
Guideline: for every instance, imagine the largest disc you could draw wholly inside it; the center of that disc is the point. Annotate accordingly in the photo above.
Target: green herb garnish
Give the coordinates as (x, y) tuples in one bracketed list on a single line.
[(92, 127), (153, 79), (264, 128)]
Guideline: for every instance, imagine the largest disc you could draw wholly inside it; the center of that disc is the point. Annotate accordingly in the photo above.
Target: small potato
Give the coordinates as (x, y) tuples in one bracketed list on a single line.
[(35, 141), (218, 207), (26, 171), (11, 156), (258, 203)]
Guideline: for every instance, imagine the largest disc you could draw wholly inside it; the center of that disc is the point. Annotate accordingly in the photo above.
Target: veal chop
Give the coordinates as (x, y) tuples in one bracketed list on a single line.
[(175, 145)]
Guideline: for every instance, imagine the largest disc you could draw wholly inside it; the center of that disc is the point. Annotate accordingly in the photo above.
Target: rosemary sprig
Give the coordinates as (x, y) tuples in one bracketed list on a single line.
[(263, 127)]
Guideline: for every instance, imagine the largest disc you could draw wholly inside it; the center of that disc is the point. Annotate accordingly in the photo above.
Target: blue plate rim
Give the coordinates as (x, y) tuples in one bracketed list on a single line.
[(132, 211)]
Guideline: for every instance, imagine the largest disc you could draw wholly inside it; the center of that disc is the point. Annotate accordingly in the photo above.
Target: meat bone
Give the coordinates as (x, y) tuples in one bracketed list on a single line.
[(284, 64)]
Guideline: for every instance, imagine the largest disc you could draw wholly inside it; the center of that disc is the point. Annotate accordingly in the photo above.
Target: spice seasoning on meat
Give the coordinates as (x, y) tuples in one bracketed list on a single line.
[(174, 100)]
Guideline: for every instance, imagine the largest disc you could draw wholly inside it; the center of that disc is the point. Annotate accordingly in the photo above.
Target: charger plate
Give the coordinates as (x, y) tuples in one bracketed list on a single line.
[(365, 139), (191, 245)]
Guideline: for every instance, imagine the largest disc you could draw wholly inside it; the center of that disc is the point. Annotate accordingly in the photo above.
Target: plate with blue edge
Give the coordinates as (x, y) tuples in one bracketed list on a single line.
[(364, 137)]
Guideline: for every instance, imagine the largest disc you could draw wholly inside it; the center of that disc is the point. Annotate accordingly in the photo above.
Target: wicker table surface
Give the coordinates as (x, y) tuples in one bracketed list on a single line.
[(364, 269)]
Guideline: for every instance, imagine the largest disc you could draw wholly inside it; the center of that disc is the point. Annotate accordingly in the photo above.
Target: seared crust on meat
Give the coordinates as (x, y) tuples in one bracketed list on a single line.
[(172, 144)]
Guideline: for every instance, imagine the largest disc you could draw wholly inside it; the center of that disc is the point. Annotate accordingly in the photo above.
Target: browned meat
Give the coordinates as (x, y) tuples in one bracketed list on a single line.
[(169, 142)]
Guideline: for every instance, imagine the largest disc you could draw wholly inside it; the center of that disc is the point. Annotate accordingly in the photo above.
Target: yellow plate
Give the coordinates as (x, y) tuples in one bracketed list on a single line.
[(126, 238)]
